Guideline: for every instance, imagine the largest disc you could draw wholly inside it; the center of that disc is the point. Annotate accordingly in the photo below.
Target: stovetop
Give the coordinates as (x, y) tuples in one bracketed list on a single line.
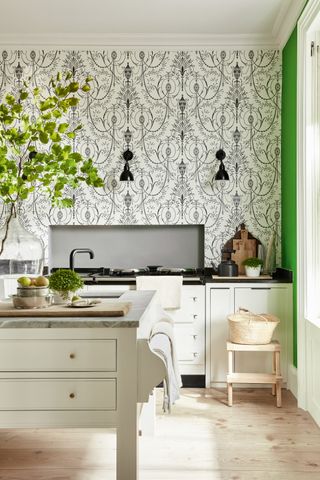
[(104, 274)]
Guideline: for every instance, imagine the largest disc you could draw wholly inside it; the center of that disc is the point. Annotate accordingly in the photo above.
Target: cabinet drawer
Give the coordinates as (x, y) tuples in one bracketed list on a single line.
[(185, 315), (58, 394), (58, 355), (189, 344), (192, 306)]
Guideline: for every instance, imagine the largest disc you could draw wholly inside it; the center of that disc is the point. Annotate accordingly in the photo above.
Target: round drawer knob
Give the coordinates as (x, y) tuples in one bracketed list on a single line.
[(72, 395), (72, 355)]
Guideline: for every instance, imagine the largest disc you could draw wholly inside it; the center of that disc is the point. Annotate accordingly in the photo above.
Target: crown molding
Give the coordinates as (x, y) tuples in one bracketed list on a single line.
[(286, 20), (146, 41)]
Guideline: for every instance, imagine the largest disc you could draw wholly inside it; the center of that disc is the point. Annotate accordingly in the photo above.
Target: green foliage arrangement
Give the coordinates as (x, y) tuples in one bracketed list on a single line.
[(35, 149), (252, 262), (64, 281)]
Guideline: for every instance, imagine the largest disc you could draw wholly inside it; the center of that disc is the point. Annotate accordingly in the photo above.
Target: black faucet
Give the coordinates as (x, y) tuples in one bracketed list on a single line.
[(79, 250)]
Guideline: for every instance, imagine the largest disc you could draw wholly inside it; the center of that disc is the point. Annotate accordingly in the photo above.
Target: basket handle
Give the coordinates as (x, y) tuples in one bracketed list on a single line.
[(245, 310)]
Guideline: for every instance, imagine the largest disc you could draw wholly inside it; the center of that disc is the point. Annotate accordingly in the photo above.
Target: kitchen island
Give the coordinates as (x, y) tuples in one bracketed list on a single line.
[(79, 371)]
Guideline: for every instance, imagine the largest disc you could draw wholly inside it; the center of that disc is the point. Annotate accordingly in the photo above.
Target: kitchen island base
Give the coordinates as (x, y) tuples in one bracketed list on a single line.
[(55, 377)]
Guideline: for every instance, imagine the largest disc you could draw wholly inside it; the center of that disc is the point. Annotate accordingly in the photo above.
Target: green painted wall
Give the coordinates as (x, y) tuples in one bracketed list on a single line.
[(289, 169)]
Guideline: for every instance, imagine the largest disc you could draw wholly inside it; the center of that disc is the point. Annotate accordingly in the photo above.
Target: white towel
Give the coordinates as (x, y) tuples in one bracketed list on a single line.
[(168, 287), (162, 342), (165, 327)]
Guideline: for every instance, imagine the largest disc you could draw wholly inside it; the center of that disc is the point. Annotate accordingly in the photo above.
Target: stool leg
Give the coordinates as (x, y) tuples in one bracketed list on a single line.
[(230, 370), (230, 394), (274, 372), (279, 382), (278, 388)]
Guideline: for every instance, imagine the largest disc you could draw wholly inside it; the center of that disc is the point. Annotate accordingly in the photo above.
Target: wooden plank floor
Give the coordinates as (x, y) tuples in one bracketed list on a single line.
[(202, 439)]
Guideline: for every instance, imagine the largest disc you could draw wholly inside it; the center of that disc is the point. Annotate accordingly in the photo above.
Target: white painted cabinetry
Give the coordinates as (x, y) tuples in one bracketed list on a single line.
[(223, 299), (71, 372), (219, 305), (189, 328), (58, 371)]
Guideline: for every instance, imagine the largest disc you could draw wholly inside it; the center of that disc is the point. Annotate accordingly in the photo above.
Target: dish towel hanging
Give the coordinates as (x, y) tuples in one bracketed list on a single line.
[(162, 342), (168, 287)]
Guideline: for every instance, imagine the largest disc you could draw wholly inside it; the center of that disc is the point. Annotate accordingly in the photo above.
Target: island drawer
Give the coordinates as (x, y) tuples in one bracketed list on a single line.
[(58, 394), (58, 355)]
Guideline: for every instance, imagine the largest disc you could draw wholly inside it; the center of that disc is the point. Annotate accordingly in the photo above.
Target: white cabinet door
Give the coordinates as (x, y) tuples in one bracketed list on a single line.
[(221, 305), (264, 299)]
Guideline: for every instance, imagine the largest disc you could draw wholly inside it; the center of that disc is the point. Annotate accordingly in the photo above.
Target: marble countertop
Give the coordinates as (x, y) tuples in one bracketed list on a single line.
[(139, 303)]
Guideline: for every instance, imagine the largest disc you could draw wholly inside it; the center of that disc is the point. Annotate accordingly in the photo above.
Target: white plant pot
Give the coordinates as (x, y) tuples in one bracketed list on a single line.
[(253, 271), (58, 300)]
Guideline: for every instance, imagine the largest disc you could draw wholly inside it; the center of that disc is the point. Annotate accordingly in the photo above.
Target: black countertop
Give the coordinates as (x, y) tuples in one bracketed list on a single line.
[(281, 275)]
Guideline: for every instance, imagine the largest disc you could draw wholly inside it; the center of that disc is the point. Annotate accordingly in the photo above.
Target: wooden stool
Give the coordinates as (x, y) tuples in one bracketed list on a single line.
[(273, 378)]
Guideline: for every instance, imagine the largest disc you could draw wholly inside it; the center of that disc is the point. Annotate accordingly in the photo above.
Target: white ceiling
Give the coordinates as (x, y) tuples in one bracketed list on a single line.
[(261, 20)]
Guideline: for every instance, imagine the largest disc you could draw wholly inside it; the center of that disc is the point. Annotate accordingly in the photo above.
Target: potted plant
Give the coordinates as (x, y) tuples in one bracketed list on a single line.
[(37, 154), (65, 283), (252, 266)]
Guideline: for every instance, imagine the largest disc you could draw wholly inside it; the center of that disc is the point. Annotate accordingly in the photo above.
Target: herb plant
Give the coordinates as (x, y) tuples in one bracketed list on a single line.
[(64, 281), (252, 262)]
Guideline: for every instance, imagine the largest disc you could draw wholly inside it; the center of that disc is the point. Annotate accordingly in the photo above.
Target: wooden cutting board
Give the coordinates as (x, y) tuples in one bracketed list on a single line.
[(244, 248), (103, 309)]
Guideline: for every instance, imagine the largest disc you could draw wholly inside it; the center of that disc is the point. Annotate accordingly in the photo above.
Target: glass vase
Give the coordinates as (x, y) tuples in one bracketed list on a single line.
[(22, 253)]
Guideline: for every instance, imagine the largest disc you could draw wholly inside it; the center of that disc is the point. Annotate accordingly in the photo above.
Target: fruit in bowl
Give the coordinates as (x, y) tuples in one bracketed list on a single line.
[(32, 292), (24, 281), (40, 281)]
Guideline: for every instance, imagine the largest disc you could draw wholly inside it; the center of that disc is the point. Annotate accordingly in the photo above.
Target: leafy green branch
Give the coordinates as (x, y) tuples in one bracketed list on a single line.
[(35, 150)]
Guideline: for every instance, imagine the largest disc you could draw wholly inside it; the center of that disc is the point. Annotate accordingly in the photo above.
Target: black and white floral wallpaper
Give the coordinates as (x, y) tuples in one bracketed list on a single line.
[(175, 109)]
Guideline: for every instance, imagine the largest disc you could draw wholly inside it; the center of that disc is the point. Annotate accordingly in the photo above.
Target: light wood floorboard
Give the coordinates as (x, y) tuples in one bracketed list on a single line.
[(202, 439)]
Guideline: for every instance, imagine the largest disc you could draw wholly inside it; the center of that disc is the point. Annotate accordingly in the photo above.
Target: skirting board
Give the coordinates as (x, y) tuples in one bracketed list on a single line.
[(193, 381), (293, 380)]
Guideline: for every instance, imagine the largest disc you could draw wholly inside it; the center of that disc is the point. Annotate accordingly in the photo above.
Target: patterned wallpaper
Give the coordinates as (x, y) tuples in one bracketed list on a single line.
[(174, 109)]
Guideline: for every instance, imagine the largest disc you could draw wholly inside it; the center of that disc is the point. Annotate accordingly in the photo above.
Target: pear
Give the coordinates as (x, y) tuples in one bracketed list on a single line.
[(41, 282), (75, 298), (24, 281)]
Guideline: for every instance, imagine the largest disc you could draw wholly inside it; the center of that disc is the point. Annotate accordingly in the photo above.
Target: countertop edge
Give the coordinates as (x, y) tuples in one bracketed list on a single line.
[(140, 301)]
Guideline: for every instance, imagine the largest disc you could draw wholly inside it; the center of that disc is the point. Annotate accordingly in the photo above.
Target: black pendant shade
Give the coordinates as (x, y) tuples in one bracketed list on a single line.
[(126, 175), (222, 173)]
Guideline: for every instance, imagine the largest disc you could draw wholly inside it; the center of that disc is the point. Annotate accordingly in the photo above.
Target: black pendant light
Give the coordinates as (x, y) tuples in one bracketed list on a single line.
[(126, 175), (222, 173)]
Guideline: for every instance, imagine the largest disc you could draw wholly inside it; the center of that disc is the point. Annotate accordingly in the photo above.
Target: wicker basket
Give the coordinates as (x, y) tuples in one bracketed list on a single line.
[(251, 329)]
